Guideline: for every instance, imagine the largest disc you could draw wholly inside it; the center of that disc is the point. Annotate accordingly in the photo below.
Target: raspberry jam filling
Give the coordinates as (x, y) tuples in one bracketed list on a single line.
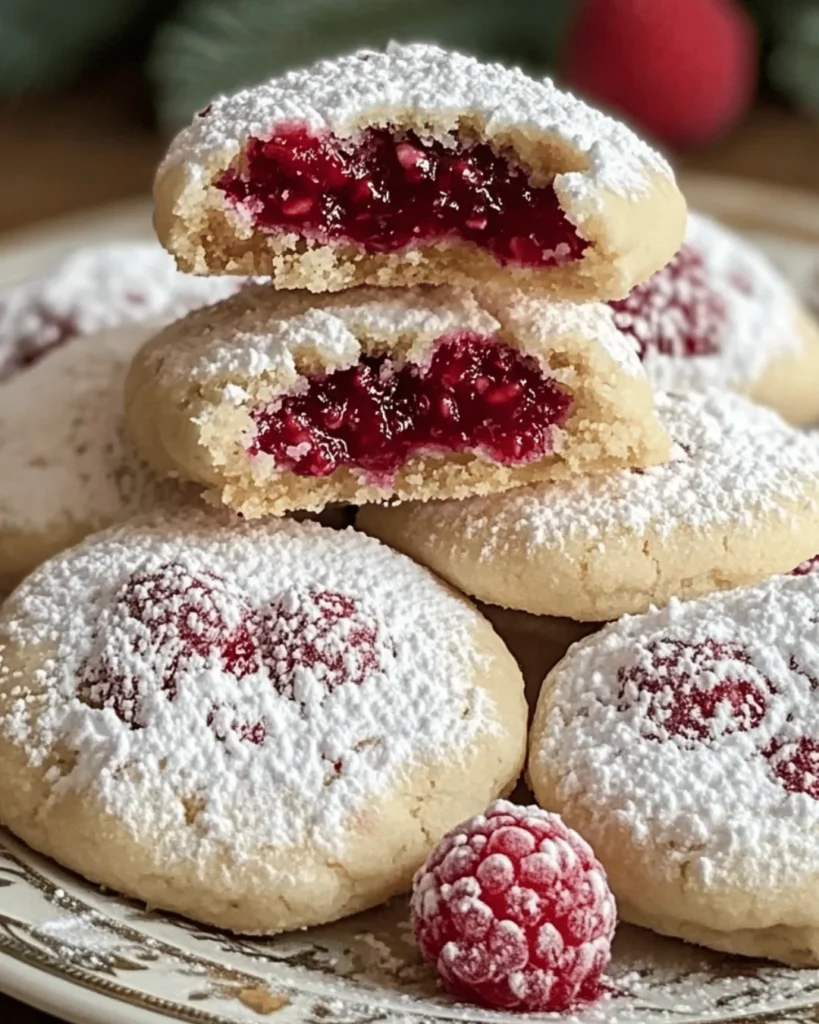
[(695, 692), (389, 191), (476, 394), (676, 312)]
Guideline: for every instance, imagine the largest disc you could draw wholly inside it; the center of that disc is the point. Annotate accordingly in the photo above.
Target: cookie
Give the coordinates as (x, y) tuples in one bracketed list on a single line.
[(93, 289), (684, 745), (719, 315), (738, 501), (66, 468), (260, 726), (284, 400), (417, 166)]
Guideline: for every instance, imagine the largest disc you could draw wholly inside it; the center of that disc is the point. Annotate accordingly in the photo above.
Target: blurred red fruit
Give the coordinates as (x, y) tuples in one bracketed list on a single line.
[(682, 70)]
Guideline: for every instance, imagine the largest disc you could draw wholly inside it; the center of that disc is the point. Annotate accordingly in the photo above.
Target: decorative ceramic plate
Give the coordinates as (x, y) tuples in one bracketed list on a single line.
[(95, 958)]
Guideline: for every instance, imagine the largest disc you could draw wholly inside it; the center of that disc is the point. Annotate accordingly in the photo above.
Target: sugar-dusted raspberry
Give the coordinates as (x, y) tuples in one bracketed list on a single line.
[(677, 311), (694, 692), (515, 912), (796, 764), (314, 641)]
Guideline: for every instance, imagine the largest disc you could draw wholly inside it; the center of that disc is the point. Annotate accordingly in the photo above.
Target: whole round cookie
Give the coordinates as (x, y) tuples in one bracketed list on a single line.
[(93, 289), (417, 166), (66, 467), (737, 502), (260, 726), (284, 400), (684, 746), (720, 315)]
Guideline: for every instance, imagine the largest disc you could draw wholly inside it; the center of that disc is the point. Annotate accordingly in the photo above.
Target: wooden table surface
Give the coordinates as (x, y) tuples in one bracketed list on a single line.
[(85, 150)]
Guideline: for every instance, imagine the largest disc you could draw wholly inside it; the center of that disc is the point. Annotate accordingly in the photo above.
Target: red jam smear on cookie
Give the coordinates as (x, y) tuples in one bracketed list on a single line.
[(693, 691), (389, 191), (810, 565), (49, 332), (476, 394), (326, 634), (307, 645), (796, 765), (168, 616), (676, 312)]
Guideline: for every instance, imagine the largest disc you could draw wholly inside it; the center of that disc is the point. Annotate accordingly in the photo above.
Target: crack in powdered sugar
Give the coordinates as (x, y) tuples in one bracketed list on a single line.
[(94, 289), (371, 87), (63, 454), (736, 795), (326, 750), (723, 297), (732, 462)]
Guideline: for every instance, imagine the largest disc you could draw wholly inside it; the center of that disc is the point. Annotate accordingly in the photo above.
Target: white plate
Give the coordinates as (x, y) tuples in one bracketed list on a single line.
[(93, 958)]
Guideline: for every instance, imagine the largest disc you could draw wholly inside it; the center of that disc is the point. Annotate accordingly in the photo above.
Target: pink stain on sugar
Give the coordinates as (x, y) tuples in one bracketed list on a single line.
[(696, 692), (810, 565), (174, 617), (677, 312)]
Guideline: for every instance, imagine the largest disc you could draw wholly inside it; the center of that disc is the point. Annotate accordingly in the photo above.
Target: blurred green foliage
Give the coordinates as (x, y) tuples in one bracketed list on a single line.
[(44, 43), (215, 46), (792, 58), (197, 48)]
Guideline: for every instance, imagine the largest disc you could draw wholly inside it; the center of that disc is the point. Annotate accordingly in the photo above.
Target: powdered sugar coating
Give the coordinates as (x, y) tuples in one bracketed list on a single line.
[(272, 336), (327, 750), (441, 88), (741, 314), (734, 798), (63, 453), (96, 288), (732, 461)]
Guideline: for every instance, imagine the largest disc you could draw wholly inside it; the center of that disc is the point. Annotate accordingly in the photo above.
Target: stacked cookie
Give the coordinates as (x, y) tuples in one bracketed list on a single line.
[(470, 206), (681, 743), (466, 309)]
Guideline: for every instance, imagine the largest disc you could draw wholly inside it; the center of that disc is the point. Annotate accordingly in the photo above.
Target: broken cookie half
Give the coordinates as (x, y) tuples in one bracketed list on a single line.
[(283, 400), (417, 166)]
